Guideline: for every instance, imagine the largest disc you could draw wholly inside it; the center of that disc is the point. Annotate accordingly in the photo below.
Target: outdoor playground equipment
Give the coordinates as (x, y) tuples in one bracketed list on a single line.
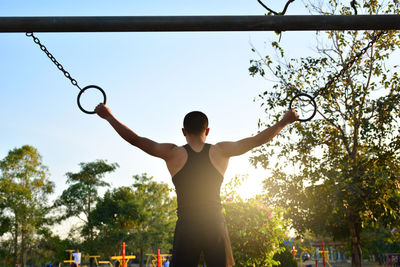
[(153, 260), (123, 260), (304, 104), (292, 247), (301, 256), (324, 254), (278, 22), (156, 260), (119, 259), (100, 263), (70, 261), (392, 259)]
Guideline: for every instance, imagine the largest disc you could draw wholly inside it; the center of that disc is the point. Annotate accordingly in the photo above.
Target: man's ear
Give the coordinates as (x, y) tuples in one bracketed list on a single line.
[(184, 132), (207, 131)]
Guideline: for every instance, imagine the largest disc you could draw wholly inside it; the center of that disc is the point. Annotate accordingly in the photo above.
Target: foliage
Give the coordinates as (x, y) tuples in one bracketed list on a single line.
[(114, 220), (337, 174), (24, 188), (142, 215), (50, 249), (255, 230), (379, 241), (158, 214), (80, 197), (285, 258)]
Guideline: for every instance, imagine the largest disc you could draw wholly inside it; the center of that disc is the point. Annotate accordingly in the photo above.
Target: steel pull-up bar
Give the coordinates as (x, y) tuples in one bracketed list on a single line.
[(199, 23)]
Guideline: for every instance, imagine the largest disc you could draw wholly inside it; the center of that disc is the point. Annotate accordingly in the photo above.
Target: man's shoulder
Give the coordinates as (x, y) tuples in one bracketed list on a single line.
[(178, 150), (217, 146)]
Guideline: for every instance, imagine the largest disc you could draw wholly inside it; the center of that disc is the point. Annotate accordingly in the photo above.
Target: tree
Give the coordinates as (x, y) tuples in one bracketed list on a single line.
[(51, 249), (256, 231), (285, 258), (142, 215), (377, 242), (114, 218), (80, 197), (157, 208), (24, 188), (345, 163)]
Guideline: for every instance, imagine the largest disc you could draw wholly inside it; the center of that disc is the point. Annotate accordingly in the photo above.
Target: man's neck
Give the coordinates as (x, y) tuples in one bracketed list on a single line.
[(196, 144)]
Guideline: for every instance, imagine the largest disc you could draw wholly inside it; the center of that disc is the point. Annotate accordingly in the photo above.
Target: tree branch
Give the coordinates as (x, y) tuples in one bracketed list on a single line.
[(343, 134)]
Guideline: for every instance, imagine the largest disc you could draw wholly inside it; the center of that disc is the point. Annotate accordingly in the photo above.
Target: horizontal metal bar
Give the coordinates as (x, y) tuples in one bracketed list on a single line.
[(199, 23)]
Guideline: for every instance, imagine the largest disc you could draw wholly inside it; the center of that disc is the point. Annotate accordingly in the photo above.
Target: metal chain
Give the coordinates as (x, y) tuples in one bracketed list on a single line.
[(53, 59), (349, 64), (274, 12), (353, 4)]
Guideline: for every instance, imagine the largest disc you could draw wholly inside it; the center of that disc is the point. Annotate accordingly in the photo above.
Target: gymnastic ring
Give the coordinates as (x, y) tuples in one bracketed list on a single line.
[(83, 90), (312, 102)]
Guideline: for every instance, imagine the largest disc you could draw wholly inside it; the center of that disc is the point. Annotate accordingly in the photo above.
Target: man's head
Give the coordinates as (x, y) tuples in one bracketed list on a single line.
[(195, 123)]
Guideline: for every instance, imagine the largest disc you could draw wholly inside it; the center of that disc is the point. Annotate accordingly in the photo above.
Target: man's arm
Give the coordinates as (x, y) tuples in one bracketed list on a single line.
[(230, 149), (160, 150)]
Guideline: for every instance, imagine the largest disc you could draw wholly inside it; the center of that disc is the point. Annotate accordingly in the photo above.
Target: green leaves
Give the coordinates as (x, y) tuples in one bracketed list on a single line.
[(24, 188), (80, 197), (91, 173), (342, 168), (256, 231), (142, 215)]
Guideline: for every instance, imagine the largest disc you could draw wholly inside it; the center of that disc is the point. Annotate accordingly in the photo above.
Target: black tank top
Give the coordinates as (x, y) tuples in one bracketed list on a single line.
[(198, 184)]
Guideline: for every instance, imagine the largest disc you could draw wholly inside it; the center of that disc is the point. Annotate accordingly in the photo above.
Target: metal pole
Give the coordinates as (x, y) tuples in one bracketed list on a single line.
[(199, 23), (123, 255), (158, 258)]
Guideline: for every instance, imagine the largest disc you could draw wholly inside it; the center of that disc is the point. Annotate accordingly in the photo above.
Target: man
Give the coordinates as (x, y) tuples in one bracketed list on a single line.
[(77, 257), (197, 171), (166, 262)]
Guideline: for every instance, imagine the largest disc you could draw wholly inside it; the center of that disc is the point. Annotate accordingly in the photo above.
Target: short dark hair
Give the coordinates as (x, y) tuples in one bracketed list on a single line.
[(195, 122)]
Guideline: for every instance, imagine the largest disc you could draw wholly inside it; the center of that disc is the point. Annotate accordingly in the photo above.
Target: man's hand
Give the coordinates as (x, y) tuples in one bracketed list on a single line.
[(103, 111), (289, 117)]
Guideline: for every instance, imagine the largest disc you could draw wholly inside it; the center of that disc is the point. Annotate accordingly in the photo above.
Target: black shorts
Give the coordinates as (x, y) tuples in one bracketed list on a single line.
[(195, 235)]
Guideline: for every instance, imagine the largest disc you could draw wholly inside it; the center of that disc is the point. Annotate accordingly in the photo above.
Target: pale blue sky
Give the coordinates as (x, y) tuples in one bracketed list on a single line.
[(151, 79)]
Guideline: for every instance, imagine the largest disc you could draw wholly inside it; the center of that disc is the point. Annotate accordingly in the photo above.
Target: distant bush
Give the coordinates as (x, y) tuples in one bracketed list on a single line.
[(285, 258)]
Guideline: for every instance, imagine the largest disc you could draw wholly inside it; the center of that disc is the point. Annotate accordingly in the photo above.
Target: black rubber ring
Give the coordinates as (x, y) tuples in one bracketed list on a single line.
[(312, 101), (86, 88)]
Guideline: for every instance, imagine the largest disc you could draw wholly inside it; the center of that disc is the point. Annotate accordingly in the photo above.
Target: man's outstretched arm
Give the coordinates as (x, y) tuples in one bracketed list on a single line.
[(160, 150), (230, 149)]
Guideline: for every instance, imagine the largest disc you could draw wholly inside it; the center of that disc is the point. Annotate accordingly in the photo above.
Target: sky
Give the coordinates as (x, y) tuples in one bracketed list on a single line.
[(151, 80)]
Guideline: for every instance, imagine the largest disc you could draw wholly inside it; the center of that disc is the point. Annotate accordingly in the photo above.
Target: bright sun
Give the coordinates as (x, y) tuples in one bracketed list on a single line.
[(253, 184)]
